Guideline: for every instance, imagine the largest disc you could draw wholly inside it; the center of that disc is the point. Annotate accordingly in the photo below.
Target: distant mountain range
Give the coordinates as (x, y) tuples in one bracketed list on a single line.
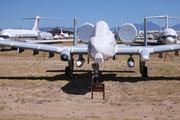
[(150, 26)]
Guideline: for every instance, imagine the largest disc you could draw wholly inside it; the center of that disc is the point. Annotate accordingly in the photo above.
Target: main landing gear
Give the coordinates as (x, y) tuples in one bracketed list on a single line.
[(69, 68), (143, 70)]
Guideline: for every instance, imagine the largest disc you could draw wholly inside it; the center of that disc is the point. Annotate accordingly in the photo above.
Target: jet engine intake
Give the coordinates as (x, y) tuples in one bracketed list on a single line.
[(130, 62), (127, 33), (80, 62), (85, 32)]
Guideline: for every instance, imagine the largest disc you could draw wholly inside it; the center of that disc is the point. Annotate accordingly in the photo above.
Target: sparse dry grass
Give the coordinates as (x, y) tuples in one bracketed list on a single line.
[(36, 88)]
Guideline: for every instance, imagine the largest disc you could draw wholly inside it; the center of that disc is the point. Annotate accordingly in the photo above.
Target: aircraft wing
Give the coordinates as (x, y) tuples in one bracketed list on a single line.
[(150, 42), (83, 49), (48, 41), (153, 42), (80, 49), (150, 49)]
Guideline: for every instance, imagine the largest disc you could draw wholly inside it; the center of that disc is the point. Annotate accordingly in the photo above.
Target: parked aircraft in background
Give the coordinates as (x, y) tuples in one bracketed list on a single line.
[(63, 35), (166, 36), (151, 34), (23, 33), (100, 46)]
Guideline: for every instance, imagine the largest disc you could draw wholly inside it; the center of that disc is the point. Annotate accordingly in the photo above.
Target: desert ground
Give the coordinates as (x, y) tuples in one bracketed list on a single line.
[(35, 88)]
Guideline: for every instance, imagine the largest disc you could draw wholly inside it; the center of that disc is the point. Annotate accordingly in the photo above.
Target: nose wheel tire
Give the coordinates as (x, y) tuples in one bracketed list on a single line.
[(95, 78)]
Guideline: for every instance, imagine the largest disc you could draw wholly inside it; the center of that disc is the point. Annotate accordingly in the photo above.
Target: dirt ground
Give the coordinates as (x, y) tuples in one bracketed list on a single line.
[(35, 87)]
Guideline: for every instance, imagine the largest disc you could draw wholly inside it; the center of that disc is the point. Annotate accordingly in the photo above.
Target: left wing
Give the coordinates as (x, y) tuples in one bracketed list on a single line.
[(145, 51), (151, 49), (153, 42)]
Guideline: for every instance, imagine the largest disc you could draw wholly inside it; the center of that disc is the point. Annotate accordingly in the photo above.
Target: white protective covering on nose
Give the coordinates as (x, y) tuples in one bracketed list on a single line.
[(170, 40), (102, 44), (101, 29)]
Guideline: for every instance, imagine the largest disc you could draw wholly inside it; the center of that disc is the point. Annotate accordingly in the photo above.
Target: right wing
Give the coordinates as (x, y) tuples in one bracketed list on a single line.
[(48, 41), (80, 49)]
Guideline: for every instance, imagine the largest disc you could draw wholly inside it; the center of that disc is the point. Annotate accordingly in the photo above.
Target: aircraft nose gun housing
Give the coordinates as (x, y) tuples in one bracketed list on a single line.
[(127, 33), (85, 32)]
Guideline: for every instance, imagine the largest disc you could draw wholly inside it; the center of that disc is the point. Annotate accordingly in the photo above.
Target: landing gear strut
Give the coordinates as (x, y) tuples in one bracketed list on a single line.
[(2, 48), (143, 70), (95, 72), (69, 68)]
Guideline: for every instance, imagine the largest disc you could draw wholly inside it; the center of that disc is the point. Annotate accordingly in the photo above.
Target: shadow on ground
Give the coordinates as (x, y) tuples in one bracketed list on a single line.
[(79, 84)]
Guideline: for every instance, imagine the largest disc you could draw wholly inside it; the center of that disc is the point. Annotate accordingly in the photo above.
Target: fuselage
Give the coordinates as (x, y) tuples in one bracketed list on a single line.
[(18, 33), (22, 33), (102, 45)]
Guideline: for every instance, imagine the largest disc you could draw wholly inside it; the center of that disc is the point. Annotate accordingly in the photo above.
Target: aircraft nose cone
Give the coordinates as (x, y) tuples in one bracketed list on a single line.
[(170, 40), (64, 57)]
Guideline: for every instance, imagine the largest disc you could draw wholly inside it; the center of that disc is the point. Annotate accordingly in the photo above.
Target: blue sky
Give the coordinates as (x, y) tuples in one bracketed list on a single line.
[(111, 11)]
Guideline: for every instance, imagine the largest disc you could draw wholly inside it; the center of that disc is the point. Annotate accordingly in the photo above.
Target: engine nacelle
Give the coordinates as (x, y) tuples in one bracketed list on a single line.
[(65, 54), (127, 33), (130, 62), (80, 62), (85, 32)]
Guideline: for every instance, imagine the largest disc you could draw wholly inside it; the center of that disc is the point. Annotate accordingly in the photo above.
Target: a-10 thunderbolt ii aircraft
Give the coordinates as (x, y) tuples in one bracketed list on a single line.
[(100, 46)]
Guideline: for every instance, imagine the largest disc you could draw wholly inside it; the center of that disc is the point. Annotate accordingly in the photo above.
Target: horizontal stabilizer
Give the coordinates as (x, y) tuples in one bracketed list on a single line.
[(162, 16), (37, 17)]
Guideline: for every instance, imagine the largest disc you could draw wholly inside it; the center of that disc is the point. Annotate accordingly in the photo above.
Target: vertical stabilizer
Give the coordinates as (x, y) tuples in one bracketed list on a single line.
[(36, 24), (61, 32)]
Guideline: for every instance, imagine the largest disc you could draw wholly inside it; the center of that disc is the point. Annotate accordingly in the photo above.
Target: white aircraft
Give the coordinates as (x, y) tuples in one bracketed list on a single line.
[(23, 33), (168, 35), (63, 35), (100, 46)]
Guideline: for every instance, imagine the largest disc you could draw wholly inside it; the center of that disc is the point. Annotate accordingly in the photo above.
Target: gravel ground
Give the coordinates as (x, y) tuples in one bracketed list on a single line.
[(34, 87)]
